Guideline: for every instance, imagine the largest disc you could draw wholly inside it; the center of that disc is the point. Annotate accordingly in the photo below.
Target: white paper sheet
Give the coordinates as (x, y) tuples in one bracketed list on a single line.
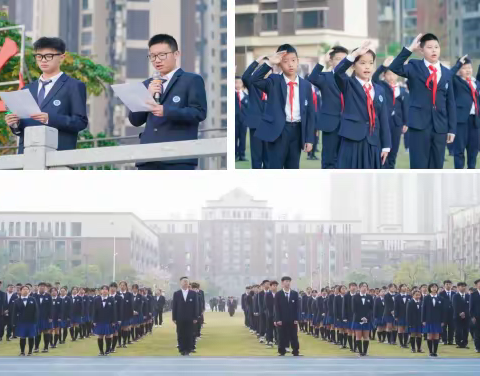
[(134, 96), (21, 103)]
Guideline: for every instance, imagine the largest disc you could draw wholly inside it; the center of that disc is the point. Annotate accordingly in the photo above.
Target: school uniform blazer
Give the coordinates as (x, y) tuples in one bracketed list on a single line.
[(9, 305), (331, 304), (399, 112), (475, 305), (256, 105), (65, 308), (421, 111), (3, 303), (118, 306), (241, 111), (303, 304), (104, 314), (269, 304), (274, 118), (255, 303), (461, 305), (399, 307), (325, 306), (78, 308), (389, 305), (320, 307), (45, 307), (28, 314), (159, 303), (66, 106), (355, 123), (261, 302), (56, 308), (378, 308), (331, 109), (185, 310), (250, 298), (431, 314), (287, 311), (127, 305), (137, 303), (414, 313), (144, 306), (338, 307), (90, 305), (347, 313), (243, 301), (201, 295), (448, 303), (463, 96), (184, 107), (360, 309), (309, 305), (87, 306)]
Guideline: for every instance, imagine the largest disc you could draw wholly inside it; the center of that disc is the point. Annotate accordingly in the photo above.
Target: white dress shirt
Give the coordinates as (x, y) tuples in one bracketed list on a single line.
[(293, 116), (168, 77), (242, 94), (48, 87), (185, 293), (438, 66), (9, 296), (474, 84)]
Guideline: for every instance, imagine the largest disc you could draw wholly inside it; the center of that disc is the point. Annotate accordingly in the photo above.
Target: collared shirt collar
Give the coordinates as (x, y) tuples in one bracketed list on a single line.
[(287, 80), (364, 82), (54, 78), (436, 65), (169, 76)]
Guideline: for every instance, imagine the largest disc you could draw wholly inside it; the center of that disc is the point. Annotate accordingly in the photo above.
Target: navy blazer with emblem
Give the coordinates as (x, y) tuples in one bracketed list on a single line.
[(287, 311), (185, 310), (256, 105), (184, 107), (414, 313), (25, 314), (421, 112), (274, 117), (66, 106), (362, 309), (104, 314), (355, 122), (463, 96)]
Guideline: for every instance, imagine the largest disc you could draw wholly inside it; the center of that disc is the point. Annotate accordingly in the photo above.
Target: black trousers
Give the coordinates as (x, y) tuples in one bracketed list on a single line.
[(263, 324), (185, 335), (2, 326), (476, 333), (245, 313), (285, 151), (448, 329), (270, 329), (461, 331), (288, 333), (231, 311), (158, 318)]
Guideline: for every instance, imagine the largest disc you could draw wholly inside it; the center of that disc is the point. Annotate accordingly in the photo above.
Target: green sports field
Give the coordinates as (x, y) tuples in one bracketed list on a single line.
[(402, 159), (226, 336)]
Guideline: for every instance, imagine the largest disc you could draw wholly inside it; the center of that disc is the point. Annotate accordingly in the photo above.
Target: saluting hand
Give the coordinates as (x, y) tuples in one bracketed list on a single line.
[(463, 58), (388, 61), (415, 46), (277, 58), (362, 50)]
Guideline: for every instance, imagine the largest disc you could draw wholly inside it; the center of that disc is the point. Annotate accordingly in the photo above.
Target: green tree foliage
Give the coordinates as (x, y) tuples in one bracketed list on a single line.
[(411, 273)]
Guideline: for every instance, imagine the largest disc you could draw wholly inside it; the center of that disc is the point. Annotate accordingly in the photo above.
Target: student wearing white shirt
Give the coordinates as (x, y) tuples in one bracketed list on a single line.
[(461, 315), (414, 321), (433, 317), (185, 313), (25, 317), (364, 129), (104, 320)]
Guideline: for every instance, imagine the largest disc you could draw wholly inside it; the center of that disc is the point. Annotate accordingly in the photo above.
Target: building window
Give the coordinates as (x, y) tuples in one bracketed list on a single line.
[(86, 38), (269, 21), (85, 4), (223, 39), (63, 229), (76, 248), (87, 20), (76, 263), (223, 91), (223, 74), (223, 22), (137, 63), (314, 19), (224, 108), (223, 5), (76, 229), (34, 228), (57, 229), (223, 56), (27, 228), (17, 229), (138, 24)]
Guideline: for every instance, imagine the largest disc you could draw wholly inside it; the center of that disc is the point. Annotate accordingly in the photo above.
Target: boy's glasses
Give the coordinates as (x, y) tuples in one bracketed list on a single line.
[(47, 57), (162, 56)]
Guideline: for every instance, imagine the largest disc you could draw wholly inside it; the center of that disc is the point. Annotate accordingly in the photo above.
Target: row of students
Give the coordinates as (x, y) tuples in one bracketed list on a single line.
[(113, 315), (363, 117)]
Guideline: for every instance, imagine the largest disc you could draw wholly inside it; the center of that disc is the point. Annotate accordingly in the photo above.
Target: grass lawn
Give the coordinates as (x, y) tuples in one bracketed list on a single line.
[(226, 336), (403, 161)]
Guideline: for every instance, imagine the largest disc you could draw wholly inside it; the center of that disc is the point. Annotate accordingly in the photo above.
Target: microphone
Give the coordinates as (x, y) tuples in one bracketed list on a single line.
[(157, 77)]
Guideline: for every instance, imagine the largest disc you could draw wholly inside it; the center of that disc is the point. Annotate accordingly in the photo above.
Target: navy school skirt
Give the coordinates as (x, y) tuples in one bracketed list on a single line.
[(26, 330), (358, 326), (358, 155), (103, 329)]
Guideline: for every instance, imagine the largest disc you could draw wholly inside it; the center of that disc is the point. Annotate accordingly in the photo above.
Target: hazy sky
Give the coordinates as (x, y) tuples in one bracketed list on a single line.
[(158, 195)]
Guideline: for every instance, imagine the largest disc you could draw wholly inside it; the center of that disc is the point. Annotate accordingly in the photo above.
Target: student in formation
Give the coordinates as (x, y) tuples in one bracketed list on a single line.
[(159, 304), (414, 321), (271, 332), (45, 317), (378, 310), (397, 108), (338, 314), (347, 313), (104, 320), (116, 339), (127, 315), (388, 314), (256, 106), (400, 314), (461, 315), (433, 317), (432, 111), (62, 99), (288, 122), (447, 295), (65, 315), (241, 111), (321, 312), (287, 307), (317, 104), (25, 317), (78, 309), (466, 90), (364, 128), (331, 314), (474, 311), (362, 306), (332, 105)]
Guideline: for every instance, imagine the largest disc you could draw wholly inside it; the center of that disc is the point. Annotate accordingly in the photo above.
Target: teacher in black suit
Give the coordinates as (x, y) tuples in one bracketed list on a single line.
[(185, 313), (287, 308)]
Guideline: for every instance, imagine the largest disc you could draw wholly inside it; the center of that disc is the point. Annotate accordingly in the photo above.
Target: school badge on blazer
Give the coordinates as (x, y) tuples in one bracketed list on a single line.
[(176, 99), (380, 98), (57, 103)]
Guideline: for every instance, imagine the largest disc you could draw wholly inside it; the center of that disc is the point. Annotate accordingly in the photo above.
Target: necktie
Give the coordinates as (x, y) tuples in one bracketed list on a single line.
[(393, 89), (370, 107), (161, 86), (24, 299), (314, 98), (290, 98), (432, 78), (342, 101), (474, 94), (286, 296), (239, 100), (41, 94)]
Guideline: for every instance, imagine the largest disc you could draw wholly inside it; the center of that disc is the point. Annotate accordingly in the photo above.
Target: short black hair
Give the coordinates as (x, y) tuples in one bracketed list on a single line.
[(338, 50), (238, 77), (352, 284), (461, 284), (368, 52), (431, 285), (286, 278), (42, 284), (274, 283), (426, 38), (447, 281), (164, 39), (288, 48), (114, 284), (467, 61), (56, 44), (475, 282), (183, 278), (265, 280)]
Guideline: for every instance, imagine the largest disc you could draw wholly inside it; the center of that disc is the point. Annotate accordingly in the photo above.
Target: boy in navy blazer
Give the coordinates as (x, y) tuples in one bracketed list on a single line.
[(61, 98), (185, 312), (432, 113), (257, 100), (466, 87), (288, 122), (475, 314), (287, 315), (241, 110), (461, 315), (183, 103), (332, 106), (397, 108)]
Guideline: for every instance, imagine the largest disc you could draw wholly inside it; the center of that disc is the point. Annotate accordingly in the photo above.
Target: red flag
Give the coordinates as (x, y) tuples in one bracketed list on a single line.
[(9, 50)]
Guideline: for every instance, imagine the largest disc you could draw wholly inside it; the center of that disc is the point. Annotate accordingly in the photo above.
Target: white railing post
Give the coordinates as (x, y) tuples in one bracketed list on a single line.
[(38, 142)]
